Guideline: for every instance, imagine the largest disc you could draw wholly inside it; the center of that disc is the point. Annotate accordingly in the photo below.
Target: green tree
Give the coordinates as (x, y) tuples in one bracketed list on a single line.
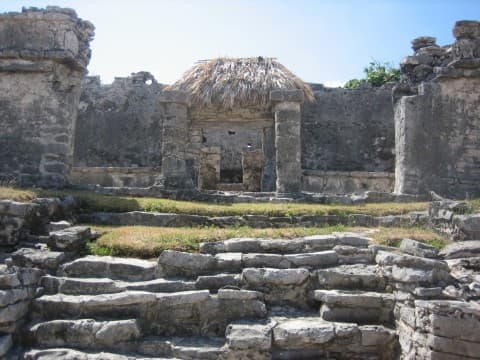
[(377, 73)]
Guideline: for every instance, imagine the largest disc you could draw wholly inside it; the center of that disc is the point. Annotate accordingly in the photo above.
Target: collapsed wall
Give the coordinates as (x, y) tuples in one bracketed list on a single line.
[(437, 116), (43, 58)]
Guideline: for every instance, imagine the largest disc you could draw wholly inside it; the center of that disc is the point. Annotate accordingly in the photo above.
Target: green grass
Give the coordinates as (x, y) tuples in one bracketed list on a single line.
[(92, 202), (149, 242)]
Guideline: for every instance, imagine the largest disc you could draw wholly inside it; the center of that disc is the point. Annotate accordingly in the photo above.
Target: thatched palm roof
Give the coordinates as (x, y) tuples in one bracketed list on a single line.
[(230, 83)]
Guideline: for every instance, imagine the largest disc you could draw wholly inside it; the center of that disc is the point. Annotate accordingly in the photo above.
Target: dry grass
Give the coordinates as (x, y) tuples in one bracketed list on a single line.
[(149, 242), (230, 83), (11, 193), (393, 236)]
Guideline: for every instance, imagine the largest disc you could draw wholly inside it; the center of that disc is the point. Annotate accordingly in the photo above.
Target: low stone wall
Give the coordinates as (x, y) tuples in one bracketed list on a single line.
[(438, 329), (16, 221), (255, 221), (18, 286), (115, 176), (341, 182)]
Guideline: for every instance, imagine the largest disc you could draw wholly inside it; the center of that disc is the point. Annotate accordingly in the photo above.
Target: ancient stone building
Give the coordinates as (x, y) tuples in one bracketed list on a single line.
[(43, 58), (233, 124), (437, 116)]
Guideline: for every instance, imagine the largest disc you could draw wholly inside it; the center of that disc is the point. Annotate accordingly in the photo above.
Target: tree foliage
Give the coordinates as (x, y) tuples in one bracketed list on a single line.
[(376, 74)]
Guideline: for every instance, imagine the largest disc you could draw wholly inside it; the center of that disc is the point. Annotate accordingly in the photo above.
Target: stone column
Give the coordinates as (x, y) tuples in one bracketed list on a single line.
[(286, 107), (175, 137), (269, 172)]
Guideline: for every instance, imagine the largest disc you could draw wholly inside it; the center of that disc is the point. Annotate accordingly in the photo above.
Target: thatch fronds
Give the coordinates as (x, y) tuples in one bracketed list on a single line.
[(233, 83)]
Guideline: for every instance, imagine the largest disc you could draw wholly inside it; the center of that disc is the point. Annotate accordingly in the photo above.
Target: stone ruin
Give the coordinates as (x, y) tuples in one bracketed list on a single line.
[(61, 128), (336, 296)]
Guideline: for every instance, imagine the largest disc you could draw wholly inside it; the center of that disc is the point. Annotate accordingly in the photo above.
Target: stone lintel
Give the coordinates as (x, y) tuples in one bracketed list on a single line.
[(286, 106), (175, 96), (287, 96)]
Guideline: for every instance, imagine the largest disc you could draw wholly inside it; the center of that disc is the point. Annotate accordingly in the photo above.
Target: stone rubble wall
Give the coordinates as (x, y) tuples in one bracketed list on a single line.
[(119, 125), (438, 329), (437, 116), (349, 130), (43, 58), (18, 286)]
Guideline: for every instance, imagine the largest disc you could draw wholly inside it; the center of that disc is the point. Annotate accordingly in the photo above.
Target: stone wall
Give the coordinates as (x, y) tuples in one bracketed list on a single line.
[(437, 118), (348, 130), (115, 176), (120, 125), (344, 182), (43, 57)]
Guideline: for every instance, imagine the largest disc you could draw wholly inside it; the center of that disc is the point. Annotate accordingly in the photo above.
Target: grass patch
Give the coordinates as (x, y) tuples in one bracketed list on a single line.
[(92, 202), (475, 204), (394, 236), (149, 242), (12, 193)]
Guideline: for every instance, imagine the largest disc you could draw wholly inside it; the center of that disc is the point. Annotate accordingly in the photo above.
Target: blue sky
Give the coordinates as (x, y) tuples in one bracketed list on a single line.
[(326, 41)]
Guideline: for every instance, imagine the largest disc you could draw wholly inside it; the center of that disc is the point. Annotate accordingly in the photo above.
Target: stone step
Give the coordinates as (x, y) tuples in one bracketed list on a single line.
[(315, 338), (177, 263), (110, 267), (41, 258), (121, 336), (363, 307), (357, 276), (187, 312), (187, 348), (82, 334), (96, 286), (72, 354), (285, 246), (279, 285)]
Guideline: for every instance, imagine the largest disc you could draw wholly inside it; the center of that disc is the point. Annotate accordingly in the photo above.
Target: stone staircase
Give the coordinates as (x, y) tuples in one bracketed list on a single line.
[(307, 298)]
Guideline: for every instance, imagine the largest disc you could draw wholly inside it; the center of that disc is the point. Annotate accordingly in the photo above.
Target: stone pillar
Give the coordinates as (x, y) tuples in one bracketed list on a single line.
[(175, 137), (43, 59), (269, 171), (252, 164), (209, 172), (286, 107)]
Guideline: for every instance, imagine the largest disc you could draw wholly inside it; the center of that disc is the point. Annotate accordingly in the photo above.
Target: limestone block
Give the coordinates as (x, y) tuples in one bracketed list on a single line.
[(70, 239), (246, 335), (461, 249), (423, 41), (303, 333), (417, 248), (174, 263)]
